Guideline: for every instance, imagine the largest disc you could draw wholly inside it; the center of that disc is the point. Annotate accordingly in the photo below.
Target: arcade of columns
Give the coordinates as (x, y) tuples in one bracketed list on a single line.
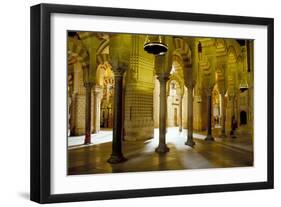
[(198, 84)]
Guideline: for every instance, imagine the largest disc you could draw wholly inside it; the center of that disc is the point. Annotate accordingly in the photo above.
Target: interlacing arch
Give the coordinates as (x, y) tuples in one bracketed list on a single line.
[(76, 52), (220, 46), (182, 48), (177, 60), (103, 61), (103, 51)]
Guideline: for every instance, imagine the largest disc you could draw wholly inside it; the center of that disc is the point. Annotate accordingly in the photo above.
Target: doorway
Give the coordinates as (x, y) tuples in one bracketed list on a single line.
[(243, 118)]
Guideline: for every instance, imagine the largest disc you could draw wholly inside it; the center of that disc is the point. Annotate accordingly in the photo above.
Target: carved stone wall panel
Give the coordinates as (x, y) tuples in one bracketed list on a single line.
[(199, 112), (79, 118), (139, 93), (156, 93), (138, 112)]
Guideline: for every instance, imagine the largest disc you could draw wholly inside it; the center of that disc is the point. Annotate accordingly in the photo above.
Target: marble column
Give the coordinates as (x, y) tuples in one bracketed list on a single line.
[(180, 111), (209, 136), (237, 108), (223, 134), (96, 117), (233, 118), (117, 155), (162, 147), (189, 140), (88, 87), (72, 114)]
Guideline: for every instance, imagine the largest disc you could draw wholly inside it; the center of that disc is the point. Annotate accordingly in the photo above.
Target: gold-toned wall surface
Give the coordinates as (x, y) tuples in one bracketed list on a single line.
[(139, 87)]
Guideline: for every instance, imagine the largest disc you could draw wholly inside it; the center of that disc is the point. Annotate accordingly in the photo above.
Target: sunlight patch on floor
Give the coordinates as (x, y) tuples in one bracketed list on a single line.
[(173, 136)]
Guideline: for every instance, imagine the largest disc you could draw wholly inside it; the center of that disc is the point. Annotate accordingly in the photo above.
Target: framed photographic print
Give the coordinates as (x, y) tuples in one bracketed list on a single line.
[(133, 103)]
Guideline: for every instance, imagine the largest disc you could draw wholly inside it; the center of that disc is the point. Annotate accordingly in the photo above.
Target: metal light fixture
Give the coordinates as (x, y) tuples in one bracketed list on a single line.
[(155, 45), (243, 86), (200, 50)]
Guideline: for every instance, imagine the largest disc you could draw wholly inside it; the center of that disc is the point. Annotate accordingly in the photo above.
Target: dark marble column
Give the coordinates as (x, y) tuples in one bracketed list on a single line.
[(95, 112), (223, 134), (162, 147), (233, 119), (88, 87), (190, 142), (209, 115), (117, 155), (180, 111)]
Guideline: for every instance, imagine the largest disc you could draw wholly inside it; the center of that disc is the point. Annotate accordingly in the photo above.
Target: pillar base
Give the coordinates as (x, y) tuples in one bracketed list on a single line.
[(162, 148), (232, 134), (96, 131), (209, 138), (115, 159), (223, 136), (190, 142), (87, 140)]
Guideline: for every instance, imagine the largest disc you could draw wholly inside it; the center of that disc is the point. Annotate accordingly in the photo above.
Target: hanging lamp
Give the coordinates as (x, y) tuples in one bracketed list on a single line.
[(243, 86), (155, 45)]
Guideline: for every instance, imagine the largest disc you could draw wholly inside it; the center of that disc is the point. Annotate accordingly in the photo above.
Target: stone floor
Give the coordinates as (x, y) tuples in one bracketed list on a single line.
[(141, 156)]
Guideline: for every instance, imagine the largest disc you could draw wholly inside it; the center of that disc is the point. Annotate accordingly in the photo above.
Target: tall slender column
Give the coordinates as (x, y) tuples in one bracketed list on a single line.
[(209, 115), (180, 111), (162, 147), (189, 140), (96, 117), (223, 134), (233, 119), (88, 87), (237, 108), (117, 155)]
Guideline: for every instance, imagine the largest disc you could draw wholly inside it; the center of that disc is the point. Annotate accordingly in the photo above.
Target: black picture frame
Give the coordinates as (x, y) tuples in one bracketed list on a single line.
[(41, 95)]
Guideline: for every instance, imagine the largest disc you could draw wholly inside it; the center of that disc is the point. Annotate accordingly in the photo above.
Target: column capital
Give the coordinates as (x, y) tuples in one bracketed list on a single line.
[(190, 84), (163, 77), (97, 93), (208, 91), (97, 89), (222, 91), (119, 72), (88, 85)]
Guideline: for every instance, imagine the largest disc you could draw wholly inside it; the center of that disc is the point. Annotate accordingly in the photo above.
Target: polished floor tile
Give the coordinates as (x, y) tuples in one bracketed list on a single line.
[(141, 156)]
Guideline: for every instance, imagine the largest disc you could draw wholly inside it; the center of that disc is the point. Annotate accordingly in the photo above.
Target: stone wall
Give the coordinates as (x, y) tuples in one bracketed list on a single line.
[(138, 120)]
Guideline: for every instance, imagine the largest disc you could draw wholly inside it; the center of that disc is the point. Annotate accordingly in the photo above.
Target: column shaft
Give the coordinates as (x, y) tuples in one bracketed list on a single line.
[(223, 135), (88, 87), (209, 116), (233, 119), (96, 117), (162, 147), (117, 155), (180, 111), (189, 140)]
